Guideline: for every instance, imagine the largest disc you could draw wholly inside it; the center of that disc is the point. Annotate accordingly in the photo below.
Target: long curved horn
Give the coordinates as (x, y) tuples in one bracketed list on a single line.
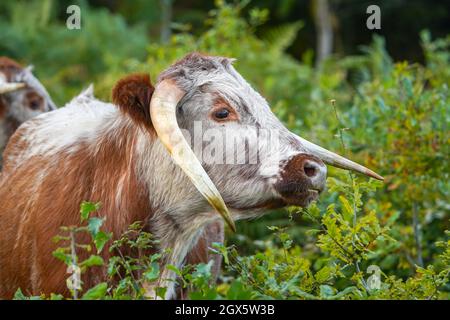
[(6, 86), (336, 160), (163, 113), (10, 86)]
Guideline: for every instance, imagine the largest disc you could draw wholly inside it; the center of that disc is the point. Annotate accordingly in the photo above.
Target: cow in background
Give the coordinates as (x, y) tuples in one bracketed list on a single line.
[(22, 97)]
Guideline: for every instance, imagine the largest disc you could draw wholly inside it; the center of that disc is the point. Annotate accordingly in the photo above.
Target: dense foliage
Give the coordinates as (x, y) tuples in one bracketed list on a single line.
[(364, 239)]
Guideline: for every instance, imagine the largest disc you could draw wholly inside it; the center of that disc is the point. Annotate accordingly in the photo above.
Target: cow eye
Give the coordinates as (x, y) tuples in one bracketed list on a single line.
[(35, 104), (222, 114)]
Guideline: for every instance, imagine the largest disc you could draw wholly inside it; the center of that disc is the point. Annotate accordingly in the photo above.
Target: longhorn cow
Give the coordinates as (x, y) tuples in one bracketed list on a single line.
[(22, 97), (137, 157)]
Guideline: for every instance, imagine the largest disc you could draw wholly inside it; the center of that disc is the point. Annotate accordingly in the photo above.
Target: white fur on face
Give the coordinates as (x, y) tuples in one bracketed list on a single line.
[(205, 79)]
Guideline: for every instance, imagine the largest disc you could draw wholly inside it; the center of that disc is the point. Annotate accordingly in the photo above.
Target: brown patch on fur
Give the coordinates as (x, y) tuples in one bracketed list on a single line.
[(102, 171), (9, 67), (133, 94), (294, 184), (294, 170)]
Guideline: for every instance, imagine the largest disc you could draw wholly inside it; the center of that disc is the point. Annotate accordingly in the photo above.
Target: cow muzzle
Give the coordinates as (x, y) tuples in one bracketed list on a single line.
[(302, 179)]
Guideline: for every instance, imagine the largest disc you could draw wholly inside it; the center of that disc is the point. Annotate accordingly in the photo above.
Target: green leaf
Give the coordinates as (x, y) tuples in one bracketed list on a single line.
[(326, 291), (93, 260), (174, 269), (161, 292), (94, 225), (56, 296), (153, 273), (347, 208), (202, 270), (96, 293), (61, 254), (221, 249), (302, 294), (207, 294), (155, 257), (344, 292), (280, 37), (86, 208), (100, 239), (19, 295), (324, 274), (238, 291)]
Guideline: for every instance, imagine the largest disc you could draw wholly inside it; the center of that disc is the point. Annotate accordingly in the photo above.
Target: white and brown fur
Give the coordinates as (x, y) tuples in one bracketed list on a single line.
[(110, 153)]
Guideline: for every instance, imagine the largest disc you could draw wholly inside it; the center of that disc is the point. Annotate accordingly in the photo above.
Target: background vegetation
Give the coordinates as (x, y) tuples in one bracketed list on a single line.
[(387, 113)]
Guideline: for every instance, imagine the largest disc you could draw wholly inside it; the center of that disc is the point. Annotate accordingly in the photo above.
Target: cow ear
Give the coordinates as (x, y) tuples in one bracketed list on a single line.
[(132, 95), (9, 68)]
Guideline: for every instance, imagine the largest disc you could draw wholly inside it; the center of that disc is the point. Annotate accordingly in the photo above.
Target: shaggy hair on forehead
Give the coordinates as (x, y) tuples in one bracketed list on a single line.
[(198, 73), (191, 68)]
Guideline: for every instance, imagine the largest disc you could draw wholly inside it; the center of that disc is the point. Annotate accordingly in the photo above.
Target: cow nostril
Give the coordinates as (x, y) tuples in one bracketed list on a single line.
[(310, 170)]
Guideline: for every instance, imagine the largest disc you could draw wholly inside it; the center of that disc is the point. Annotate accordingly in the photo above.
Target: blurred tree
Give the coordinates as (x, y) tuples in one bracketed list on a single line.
[(166, 20), (322, 20)]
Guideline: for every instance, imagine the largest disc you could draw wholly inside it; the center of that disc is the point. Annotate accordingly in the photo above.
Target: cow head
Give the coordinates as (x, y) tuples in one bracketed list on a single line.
[(22, 96), (223, 135)]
